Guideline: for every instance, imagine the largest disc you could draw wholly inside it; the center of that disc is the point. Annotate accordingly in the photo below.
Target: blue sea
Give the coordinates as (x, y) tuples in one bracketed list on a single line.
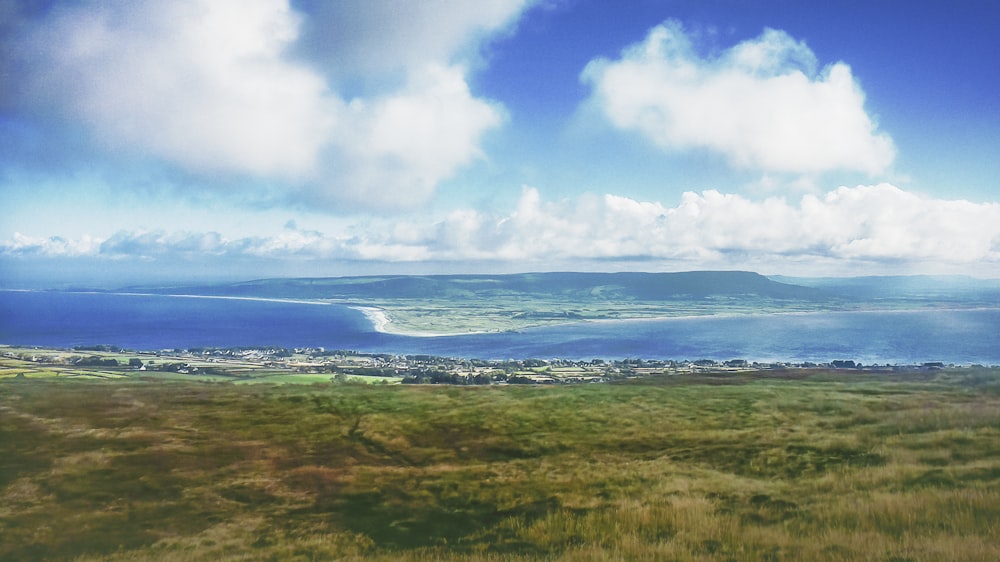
[(147, 322)]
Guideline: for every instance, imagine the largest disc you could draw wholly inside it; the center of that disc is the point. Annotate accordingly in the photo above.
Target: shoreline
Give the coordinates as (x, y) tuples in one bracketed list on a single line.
[(178, 296), (379, 319), (756, 363), (382, 323), (658, 318)]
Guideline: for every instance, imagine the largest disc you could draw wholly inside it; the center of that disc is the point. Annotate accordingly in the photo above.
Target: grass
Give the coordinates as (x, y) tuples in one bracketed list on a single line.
[(517, 312), (756, 466)]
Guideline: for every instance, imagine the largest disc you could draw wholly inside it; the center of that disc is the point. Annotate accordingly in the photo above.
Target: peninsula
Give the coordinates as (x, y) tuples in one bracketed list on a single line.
[(427, 305)]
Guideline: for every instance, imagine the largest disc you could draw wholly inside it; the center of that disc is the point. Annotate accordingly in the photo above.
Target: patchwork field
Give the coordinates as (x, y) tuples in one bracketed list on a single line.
[(796, 465)]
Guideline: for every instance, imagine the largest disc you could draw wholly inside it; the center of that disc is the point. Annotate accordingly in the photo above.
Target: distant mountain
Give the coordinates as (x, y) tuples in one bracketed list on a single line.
[(570, 286)]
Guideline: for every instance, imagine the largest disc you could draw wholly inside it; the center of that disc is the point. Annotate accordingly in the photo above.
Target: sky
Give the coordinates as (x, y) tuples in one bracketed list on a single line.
[(204, 140)]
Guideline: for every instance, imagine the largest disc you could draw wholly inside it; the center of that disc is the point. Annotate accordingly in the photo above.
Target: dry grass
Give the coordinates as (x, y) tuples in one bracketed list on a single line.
[(818, 467)]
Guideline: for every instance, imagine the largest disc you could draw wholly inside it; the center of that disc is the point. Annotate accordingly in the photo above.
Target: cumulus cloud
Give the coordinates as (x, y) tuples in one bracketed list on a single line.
[(52, 246), (404, 144), (205, 85), (762, 103), (252, 89), (388, 36), (874, 223), (865, 225)]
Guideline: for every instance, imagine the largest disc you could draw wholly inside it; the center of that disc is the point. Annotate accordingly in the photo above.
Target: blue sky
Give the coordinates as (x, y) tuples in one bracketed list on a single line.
[(222, 140)]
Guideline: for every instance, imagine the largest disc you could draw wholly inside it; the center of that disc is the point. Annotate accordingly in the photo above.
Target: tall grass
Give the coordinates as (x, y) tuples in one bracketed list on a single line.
[(820, 467)]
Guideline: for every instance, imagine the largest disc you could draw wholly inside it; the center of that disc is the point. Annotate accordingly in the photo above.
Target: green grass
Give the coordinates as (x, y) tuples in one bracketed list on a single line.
[(761, 466), (519, 311)]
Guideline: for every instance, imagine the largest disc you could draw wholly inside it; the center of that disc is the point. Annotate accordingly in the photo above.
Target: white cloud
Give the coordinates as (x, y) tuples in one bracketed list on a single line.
[(153, 244), (863, 227), (203, 84), (761, 103), (248, 89), (388, 36), (404, 144), (53, 246)]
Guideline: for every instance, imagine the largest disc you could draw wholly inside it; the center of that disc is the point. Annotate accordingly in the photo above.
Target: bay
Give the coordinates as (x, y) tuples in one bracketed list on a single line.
[(150, 322)]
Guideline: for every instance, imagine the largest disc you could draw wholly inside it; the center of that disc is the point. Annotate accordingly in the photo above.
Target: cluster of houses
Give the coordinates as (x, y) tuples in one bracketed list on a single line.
[(427, 369)]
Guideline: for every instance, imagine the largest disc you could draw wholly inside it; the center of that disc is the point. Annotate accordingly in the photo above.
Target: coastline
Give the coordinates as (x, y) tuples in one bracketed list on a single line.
[(409, 322), (885, 310), (181, 296), (379, 319), (382, 323)]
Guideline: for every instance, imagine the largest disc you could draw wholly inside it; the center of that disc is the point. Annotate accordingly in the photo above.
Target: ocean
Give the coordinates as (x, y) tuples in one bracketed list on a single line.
[(152, 322)]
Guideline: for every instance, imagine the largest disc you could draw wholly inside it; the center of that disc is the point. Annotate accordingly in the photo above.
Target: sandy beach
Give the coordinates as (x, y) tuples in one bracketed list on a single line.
[(382, 323), (379, 319)]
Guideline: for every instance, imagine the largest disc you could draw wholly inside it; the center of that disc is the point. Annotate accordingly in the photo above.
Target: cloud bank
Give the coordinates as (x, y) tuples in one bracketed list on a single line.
[(867, 226), (762, 103), (256, 89)]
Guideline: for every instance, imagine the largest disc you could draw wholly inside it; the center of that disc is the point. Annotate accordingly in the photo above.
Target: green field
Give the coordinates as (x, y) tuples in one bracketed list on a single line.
[(497, 314), (760, 466)]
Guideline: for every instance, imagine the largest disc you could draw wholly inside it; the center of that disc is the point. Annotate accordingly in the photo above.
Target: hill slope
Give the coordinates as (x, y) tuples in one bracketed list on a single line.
[(579, 287)]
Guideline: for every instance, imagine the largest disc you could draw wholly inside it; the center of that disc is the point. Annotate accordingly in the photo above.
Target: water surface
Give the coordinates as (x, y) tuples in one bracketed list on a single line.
[(148, 322)]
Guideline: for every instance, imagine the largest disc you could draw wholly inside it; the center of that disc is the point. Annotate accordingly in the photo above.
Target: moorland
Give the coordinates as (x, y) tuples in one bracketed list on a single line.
[(805, 464)]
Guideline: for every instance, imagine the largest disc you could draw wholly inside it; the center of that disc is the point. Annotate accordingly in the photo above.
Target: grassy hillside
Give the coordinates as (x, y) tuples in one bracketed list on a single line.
[(762, 466), (581, 287)]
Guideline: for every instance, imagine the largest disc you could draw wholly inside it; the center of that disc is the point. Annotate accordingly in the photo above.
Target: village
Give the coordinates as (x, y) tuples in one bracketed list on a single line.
[(319, 365)]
